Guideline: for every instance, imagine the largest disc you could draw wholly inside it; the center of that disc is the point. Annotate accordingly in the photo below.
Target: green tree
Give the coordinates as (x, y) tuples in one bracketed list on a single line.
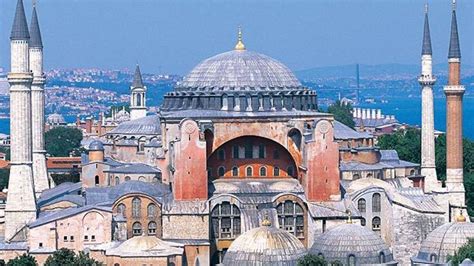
[(23, 260), (66, 256), (63, 141), (464, 252), (6, 150), (312, 260), (342, 113), (84, 260), (4, 177), (406, 142)]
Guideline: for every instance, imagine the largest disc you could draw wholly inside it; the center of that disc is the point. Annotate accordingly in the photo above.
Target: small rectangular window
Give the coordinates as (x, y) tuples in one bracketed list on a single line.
[(86, 238), (40, 245), (71, 238), (93, 237), (235, 152), (65, 238)]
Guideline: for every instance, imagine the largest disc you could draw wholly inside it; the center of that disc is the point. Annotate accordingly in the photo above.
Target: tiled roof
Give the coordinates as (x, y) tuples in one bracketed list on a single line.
[(135, 168), (47, 217), (344, 132)]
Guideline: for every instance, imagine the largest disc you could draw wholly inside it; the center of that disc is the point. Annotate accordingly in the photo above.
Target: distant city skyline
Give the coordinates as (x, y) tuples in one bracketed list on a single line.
[(173, 36)]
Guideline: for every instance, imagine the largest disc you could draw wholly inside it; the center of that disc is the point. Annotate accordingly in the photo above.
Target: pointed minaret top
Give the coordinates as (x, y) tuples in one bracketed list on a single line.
[(240, 46), (137, 78), (454, 49), (20, 26), (426, 49), (35, 33)]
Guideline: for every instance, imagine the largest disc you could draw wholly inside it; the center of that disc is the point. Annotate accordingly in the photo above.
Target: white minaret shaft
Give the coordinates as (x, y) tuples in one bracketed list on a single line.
[(427, 80), (21, 201), (138, 97), (40, 173)]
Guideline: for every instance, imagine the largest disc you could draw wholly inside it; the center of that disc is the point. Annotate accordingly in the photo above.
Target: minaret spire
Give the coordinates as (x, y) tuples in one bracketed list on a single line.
[(426, 50), (20, 26), (138, 98), (35, 33), (137, 78), (454, 49)]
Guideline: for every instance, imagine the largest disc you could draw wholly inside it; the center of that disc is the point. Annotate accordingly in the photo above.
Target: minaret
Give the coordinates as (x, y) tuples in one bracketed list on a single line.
[(21, 201), (40, 174), (138, 98), (427, 80), (454, 92)]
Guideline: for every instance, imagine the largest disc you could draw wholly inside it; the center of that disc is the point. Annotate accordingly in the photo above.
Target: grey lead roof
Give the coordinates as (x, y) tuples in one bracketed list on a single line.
[(137, 78), (454, 49), (344, 132), (35, 33), (47, 217), (426, 50), (148, 125), (135, 168), (20, 26)]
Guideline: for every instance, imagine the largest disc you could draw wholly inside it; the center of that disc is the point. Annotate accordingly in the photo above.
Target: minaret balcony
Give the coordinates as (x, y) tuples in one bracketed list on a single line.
[(454, 89), (427, 80)]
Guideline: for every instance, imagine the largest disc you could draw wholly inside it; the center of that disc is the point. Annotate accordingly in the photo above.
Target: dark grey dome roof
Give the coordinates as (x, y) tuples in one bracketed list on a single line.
[(96, 145), (340, 242), (264, 245), (145, 126), (239, 70)]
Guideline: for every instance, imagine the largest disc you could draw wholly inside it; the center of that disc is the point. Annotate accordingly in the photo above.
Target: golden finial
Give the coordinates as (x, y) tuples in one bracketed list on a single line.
[(460, 218), (240, 45), (266, 221), (349, 216)]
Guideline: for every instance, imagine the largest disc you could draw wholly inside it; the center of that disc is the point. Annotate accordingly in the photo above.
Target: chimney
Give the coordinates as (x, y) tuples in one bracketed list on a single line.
[(374, 115), (364, 113), (379, 114)]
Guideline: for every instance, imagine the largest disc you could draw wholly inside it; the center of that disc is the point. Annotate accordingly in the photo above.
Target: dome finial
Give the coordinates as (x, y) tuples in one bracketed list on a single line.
[(454, 4), (266, 221), (349, 216), (426, 8), (460, 218), (240, 45)]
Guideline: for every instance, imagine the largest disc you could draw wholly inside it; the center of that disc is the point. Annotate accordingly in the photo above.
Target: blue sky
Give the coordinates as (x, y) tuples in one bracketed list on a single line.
[(173, 36)]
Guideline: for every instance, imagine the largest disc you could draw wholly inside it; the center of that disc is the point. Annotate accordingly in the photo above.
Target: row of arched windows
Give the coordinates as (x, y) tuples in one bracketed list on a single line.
[(137, 228), (376, 223), (249, 171), (369, 175), (136, 209), (376, 204), (116, 180)]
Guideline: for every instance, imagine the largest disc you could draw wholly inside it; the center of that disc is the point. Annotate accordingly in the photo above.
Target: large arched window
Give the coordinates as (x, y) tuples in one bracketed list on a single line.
[(263, 171), (433, 257), (151, 210), (361, 205), (121, 209), (117, 180), (225, 221), (221, 171), (127, 178), (221, 154), (291, 217), (362, 222), (351, 260), (382, 257), (152, 228), (276, 171), (376, 202), (96, 180), (376, 223), (249, 171), (137, 229), (136, 202), (235, 171), (291, 171), (295, 136)]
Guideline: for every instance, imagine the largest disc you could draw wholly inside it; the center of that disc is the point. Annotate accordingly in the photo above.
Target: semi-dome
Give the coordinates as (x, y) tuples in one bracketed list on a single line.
[(146, 246), (264, 245), (444, 241), (243, 81), (350, 241), (96, 145)]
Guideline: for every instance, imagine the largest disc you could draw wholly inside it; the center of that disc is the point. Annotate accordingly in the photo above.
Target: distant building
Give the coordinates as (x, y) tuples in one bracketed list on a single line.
[(373, 121)]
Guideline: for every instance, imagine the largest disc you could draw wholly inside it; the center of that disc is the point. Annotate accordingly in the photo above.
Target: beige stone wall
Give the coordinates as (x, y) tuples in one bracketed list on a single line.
[(139, 261), (185, 226)]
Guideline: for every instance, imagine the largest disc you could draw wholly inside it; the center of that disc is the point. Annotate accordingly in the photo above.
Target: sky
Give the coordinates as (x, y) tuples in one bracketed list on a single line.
[(173, 36)]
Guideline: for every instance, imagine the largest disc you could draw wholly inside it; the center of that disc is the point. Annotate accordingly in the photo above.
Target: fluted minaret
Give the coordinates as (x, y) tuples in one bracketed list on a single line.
[(21, 201), (40, 174), (427, 80), (454, 92), (138, 97)]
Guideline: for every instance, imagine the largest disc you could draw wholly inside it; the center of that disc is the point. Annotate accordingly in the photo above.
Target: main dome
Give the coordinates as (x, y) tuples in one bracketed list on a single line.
[(239, 70)]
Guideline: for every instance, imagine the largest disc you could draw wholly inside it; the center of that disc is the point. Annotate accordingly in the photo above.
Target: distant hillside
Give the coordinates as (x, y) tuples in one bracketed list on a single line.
[(384, 71)]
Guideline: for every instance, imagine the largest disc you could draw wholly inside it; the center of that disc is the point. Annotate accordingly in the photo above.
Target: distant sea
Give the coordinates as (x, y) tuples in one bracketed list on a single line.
[(407, 110)]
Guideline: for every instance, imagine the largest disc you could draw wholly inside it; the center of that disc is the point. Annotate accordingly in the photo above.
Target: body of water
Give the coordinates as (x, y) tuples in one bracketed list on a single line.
[(406, 110)]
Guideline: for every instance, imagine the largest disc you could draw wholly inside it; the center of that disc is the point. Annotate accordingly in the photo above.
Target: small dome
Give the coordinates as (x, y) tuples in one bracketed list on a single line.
[(96, 145), (149, 246), (352, 241), (55, 119), (265, 245), (239, 69), (122, 116), (444, 241)]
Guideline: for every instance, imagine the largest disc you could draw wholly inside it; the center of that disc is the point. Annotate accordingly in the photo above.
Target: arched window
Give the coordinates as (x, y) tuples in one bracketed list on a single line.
[(141, 145), (376, 224), (351, 260), (221, 171), (379, 176), (263, 171), (235, 171), (362, 222), (355, 176), (136, 202), (151, 210), (433, 257), (96, 180), (295, 136), (291, 217), (412, 172), (276, 154), (376, 202), (261, 151), (117, 180), (225, 221), (276, 171), (361, 205), (290, 171), (249, 171), (369, 175), (121, 209), (382, 257), (152, 228), (137, 229), (116, 264), (235, 152), (155, 179), (127, 178), (221, 154)]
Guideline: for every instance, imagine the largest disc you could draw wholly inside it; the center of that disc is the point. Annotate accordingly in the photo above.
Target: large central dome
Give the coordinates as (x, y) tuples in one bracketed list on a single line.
[(239, 70)]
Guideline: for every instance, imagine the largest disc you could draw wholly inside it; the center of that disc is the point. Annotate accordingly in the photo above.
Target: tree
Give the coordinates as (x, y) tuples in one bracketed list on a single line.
[(63, 141), (464, 252), (23, 260), (342, 113), (66, 256), (406, 142), (4, 177), (312, 260)]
